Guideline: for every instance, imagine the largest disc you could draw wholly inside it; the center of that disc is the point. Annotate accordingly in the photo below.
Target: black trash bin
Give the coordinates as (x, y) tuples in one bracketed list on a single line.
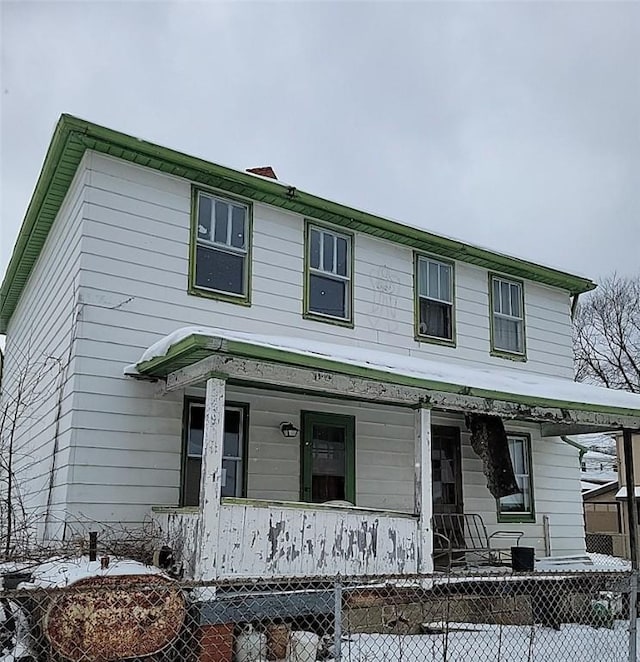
[(522, 558)]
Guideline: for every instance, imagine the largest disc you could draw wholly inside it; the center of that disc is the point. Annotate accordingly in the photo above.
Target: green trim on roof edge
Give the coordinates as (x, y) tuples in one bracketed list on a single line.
[(73, 136), (195, 347)]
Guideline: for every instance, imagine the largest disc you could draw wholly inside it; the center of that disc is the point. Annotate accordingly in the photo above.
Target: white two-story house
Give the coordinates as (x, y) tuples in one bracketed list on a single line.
[(277, 380)]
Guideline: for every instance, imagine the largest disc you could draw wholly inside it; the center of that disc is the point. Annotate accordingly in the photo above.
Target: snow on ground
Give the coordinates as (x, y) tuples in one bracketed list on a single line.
[(493, 643), (62, 572)]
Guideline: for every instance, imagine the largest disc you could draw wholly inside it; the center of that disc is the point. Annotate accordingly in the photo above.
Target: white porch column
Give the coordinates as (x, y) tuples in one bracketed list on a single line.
[(211, 479), (423, 488)]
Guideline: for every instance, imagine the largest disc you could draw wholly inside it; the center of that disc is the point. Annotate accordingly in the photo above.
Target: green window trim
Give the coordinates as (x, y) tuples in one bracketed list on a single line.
[(308, 418), (421, 337), (497, 351), (306, 312), (189, 400), (524, 517), (196, 290)]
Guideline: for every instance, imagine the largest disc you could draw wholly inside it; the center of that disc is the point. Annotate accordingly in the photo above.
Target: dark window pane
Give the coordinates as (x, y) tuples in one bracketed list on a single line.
[(230, 486), (232, 432), (219, 270), (327, 252), (233, 445), (204, 217), (327, 296), (328, 455), (238, 217), (423, 270), (341, 257), (196, 430), (433, 290), (515, 301), (221, 222), (435, 319), (192, 481), (505, 299), (445, 282), (315, 249), (327, 488), (496, 296)]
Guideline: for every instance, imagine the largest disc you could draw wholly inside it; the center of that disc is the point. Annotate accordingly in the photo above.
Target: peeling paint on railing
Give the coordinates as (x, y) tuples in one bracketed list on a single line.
[(282, 541)]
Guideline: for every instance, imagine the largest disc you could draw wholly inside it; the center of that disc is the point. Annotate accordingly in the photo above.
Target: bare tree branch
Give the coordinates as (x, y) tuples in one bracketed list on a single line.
[(606, 335)]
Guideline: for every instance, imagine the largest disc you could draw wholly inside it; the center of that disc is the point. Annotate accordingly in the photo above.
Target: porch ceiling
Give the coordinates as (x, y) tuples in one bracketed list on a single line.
[(191, 355)]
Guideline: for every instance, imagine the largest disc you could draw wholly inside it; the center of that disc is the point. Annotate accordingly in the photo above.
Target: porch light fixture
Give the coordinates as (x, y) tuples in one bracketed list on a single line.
[(288, 429)]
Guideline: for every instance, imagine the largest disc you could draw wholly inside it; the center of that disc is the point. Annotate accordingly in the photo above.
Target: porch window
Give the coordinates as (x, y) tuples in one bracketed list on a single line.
[(220, 250), (234, 451), (507, 316), (434, 299), (519, 507), (328, 457), (328, 275)]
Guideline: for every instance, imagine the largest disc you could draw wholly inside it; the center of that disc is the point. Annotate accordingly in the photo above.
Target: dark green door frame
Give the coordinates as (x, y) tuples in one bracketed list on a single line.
[(348, 423)]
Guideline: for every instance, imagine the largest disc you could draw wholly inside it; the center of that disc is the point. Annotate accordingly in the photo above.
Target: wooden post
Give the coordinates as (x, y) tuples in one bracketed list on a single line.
[(211, 480), (423, 488), (632, 523), (630, 482)]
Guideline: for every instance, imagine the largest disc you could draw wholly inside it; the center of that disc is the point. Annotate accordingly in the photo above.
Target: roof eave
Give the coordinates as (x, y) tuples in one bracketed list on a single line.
[(72, 136)]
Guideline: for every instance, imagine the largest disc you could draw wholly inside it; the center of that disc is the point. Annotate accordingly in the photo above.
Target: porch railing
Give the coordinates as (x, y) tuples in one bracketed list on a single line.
[(274, 539)]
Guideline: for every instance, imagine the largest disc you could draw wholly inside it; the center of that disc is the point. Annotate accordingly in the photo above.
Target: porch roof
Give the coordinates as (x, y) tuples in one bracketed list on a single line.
[(557, 400)]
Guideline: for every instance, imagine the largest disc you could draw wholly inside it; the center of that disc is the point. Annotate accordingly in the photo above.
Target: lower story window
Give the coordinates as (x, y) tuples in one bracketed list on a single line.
[(519, 506), (233, 454)]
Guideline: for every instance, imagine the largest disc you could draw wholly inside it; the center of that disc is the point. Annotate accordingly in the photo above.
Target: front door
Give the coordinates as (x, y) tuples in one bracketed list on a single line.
[(447, 479), (328, 457)]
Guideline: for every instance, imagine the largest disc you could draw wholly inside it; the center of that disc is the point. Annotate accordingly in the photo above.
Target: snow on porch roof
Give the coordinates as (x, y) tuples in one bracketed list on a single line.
[(189, 345)]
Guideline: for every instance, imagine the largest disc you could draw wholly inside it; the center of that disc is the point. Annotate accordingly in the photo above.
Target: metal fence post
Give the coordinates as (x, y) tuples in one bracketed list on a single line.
[(633, 616), (337, 619)]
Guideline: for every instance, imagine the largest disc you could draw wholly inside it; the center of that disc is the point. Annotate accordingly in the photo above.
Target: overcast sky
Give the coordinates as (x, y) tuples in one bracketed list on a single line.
[(511, 125)]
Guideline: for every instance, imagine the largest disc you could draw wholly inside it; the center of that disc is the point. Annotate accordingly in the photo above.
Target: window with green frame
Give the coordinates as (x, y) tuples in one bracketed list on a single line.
[(328, 287), (519, 507), (434, 299), (234, 454), (507, 316), (220, 251)]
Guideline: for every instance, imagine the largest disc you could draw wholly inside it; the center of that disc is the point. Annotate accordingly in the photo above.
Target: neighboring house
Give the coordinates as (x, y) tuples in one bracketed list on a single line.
[(603, 518), (605, 504), (598, 460), (230, 352)]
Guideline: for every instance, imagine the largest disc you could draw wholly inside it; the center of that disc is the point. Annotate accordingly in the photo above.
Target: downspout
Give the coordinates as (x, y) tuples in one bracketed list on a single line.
[(581, 449)]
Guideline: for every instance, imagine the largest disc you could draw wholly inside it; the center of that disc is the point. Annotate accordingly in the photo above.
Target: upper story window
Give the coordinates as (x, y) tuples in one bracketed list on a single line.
[(434, 300), (220, 251), (507, 316), (520, 506), (328, 275)]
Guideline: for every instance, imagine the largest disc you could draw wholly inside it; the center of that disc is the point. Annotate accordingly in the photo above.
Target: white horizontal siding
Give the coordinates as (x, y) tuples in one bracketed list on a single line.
[(39, 342), (556, 483), (125, 236), (122, 468), (136, 245)]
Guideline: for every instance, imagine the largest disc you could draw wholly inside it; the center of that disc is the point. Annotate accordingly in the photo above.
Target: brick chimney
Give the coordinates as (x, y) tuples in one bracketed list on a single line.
[(264, 171)]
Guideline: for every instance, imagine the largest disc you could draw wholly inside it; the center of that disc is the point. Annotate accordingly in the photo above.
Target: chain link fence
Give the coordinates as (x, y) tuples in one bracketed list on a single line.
[(506, 617)]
